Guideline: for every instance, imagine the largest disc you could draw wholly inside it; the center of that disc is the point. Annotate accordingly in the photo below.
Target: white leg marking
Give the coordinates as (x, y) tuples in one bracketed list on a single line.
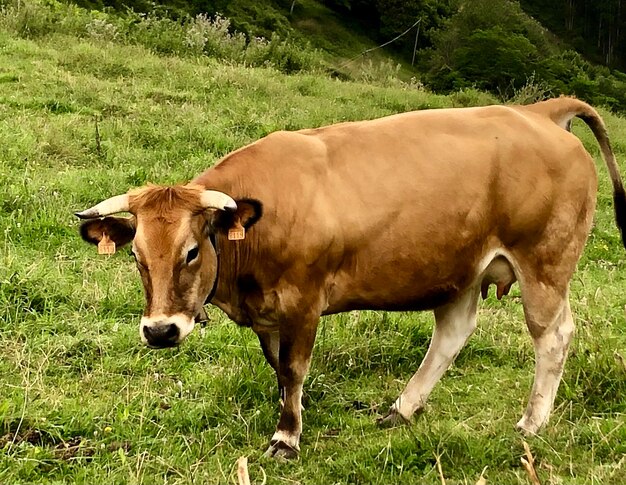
[(550, 355), (286, 443), (291, 439), (454, 325)]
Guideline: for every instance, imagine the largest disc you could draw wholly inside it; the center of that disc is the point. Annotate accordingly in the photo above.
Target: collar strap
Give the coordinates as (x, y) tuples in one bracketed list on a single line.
[(216, 247)]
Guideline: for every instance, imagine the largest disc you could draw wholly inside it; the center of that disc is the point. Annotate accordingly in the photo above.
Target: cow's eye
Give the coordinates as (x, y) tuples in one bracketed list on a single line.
[(192, 254)]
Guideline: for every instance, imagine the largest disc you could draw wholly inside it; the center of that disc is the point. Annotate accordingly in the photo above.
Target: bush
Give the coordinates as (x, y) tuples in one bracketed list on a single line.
[(211, 36), (496, 60), (467, 97), (31, 18), (531, 92), (569, 73), (381, 72), (201, 35)]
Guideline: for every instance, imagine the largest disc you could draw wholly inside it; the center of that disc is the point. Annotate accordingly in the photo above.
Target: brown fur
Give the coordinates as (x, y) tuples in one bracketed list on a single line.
[(166, 200)]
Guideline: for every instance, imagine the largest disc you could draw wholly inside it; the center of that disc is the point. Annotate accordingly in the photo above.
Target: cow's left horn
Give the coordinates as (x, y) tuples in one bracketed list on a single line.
[(116, 204), (212, 199)]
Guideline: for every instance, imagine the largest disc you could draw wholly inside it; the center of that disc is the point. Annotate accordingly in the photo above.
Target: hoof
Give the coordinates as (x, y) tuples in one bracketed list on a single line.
[(527, 427), (280, 450), (393, 419)]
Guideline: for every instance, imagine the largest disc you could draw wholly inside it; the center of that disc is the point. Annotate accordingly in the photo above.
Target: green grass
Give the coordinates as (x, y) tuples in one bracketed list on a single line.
[(82, 401)]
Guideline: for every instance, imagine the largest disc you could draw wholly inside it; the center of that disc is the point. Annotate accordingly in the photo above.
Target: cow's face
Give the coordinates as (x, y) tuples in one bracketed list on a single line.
[(178, 267), (170, 230)]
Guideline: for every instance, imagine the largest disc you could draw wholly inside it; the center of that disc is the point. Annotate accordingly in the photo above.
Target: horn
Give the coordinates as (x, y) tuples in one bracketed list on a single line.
[(212, 199), (116, 204)]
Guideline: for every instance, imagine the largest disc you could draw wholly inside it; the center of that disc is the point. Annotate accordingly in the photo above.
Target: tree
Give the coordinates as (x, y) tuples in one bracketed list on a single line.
[(595, 28), (496, 60), (490, 44)]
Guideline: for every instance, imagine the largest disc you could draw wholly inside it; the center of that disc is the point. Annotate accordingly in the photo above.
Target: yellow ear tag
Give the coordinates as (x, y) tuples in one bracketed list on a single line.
[(106, 246), (237, 233)]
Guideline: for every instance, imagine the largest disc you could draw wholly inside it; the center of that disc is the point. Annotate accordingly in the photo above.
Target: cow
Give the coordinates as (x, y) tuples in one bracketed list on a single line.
[(416, 211)]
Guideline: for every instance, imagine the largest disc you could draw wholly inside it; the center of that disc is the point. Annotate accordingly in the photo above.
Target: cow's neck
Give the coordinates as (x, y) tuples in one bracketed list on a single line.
[(238, 287), (235, 278)]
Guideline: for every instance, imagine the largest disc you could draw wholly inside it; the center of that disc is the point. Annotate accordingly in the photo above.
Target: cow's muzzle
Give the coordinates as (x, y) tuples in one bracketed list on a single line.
[(163, 335), (165, 331)]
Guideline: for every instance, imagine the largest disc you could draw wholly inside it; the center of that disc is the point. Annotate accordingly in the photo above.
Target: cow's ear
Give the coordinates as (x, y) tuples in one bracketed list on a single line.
[(248, 212), (120, 230)]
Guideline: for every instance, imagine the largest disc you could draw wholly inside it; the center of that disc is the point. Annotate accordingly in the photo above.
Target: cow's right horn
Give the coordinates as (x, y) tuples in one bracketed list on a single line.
[(213, 199), (116, 204)]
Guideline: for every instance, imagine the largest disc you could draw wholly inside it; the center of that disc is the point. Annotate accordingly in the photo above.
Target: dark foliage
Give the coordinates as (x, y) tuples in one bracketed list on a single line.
[(494, 45), (595, 28)]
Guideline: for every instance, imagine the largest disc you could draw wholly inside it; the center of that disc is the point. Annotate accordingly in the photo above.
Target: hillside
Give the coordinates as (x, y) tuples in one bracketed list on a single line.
[(91, 107), (528, 49)]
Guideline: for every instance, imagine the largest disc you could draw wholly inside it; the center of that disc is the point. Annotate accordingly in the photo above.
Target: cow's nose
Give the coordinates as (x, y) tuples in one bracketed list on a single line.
[(162, 335)]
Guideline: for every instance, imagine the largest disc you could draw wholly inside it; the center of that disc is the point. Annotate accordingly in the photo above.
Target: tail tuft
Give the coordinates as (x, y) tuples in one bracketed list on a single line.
[(619, 199)]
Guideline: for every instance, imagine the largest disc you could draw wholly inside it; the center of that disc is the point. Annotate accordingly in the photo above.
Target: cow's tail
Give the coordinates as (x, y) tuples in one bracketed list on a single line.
[(561, 111)]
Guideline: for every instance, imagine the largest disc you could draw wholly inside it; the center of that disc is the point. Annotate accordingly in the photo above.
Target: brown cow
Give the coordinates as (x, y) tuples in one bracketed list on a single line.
[(414, 211)]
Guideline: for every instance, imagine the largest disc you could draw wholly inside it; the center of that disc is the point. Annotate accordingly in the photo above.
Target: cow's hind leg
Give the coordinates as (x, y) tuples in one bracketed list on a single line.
[(454, 324), (551, 326)]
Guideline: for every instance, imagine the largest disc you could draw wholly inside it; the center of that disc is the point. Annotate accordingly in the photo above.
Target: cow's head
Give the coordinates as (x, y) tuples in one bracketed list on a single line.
[(170, 229)]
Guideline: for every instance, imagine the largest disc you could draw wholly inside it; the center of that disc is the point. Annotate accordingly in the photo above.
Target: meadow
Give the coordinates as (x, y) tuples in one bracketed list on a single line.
[(83, 401)]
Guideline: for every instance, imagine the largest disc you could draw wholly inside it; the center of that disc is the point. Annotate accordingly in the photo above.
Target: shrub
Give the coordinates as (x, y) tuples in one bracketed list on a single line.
[(212, 36), (569, 73), (286, 56), (531, 92), (467, 97), (159, 34), (380, 72), (496, 60), (199, 35), (28, 19), (101, 29)]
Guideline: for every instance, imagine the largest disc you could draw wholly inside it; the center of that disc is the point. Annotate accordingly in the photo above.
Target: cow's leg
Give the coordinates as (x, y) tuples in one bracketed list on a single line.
[(270, 343), (454, 323), (296, 345), (544, 272), (551, 337), (202, 316)]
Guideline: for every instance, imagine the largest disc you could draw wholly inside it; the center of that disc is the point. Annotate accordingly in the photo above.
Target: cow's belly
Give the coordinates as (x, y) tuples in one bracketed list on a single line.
[(420, 287), (399, 286), (427, 300)]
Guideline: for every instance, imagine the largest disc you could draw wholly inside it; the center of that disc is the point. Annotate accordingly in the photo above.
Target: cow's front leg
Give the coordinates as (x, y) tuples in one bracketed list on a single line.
[(294, 356), (270, 345)]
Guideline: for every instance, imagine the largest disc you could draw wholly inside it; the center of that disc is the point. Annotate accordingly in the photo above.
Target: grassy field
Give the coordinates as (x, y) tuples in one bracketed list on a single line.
[(82, 401)]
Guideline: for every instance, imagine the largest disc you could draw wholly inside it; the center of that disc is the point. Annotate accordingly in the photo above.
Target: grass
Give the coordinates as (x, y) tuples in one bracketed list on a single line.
[(82, 401)]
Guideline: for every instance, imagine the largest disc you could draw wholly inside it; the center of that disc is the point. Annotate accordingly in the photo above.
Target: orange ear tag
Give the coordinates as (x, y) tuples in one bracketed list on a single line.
[(237, 233), (106, 246)]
